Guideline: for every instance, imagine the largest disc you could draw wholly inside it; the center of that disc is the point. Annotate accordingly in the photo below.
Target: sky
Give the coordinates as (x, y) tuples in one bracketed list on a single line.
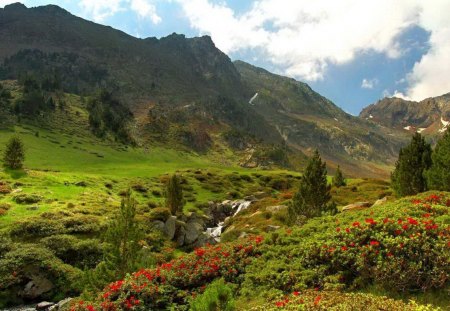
[(351, 51)]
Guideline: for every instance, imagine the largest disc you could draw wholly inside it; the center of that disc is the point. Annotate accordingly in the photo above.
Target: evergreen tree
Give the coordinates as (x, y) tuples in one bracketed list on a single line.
[(174, 195), (124, 236), (313, 195), (14, 154), (438, 176), (338, 178), (408, 177)]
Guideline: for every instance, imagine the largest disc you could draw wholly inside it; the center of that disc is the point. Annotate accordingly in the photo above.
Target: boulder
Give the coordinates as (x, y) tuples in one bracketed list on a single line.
[(356, 206), (193, 231), (271, 228), (380, 202), (60, 305), (38, 286), (158, 225), (180, 234), (251, 198), (276, 208), (260, 195), (170, 227), (44, 306)]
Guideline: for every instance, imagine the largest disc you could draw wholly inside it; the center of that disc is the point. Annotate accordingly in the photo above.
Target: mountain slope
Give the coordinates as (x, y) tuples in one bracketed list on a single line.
[(431, 116), (307, 120), (185, 91)]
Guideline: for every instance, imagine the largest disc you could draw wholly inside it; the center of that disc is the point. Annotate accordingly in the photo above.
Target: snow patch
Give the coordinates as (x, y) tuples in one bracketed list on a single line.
[(444, 125), (253, 98)]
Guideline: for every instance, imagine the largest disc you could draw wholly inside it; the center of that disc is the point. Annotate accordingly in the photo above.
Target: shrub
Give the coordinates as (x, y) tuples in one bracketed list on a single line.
[(25, 198), (217, 296), (159, 213), (36, 227), (172, 283)]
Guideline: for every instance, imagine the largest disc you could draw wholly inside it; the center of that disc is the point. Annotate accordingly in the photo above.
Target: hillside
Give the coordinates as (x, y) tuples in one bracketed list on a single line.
[(430, 117), (185, 92)]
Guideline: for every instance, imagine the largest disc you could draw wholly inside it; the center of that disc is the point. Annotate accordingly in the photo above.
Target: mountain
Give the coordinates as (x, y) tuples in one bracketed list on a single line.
[(431, 116), (186, 92)]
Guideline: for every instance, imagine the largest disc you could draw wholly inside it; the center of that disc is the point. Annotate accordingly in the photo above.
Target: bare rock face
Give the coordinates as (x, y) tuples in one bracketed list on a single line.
[(356, 206), (36, 287), (380, 202), (170, 227)]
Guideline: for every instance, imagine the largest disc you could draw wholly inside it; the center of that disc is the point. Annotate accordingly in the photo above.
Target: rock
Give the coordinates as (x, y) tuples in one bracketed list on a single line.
[(38, 286), (243, 235), (81, 184), (170, 227), (251, 198), (260, 195), (356, 206), (193, 231), (158, 225), (271, 228), (45, 305), (32, 208), (380, 202), (276, 208), (60, 304), (180, 234), (18, 190)]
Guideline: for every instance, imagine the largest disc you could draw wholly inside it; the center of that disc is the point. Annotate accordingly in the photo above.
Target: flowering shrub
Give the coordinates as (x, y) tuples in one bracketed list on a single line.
[(175, 282), (333, 300), (401, 246)]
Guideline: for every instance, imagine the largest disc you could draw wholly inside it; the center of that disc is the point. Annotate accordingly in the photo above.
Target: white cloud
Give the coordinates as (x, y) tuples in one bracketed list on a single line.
[(100, 10), (304, 37), (145, 9), (369, 84)]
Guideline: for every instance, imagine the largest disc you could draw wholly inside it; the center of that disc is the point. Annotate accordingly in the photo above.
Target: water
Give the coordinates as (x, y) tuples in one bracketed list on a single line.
[(237, 207), (21, 308)]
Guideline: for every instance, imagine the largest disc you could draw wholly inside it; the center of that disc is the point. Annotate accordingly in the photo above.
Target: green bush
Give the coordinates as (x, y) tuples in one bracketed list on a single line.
[(217, 296), (28, 262), (159, 213), (25, 198)]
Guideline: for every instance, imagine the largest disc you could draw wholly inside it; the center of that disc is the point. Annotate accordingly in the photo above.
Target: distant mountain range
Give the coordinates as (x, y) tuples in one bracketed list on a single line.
[(430, 117), (187, 91)]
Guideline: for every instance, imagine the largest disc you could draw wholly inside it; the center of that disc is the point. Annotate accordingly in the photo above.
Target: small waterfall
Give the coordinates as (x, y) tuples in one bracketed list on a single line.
[(236, 207)]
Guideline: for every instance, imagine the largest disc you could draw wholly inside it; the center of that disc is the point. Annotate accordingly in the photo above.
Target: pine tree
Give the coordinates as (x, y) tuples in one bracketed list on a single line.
[(124, 236), (314, 193), (338, 178), (438, 176), (174, 195), (408, 178), (14, 154)]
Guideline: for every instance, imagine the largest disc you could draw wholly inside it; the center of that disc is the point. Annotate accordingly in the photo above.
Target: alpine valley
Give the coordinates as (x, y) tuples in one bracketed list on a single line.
[(158, 174)]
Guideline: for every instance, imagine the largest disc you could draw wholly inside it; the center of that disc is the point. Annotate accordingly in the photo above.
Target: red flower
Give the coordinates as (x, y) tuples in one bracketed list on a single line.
[(370, 221), (90, 308), (347, 230), (356, 224), (374, 243), (426, 215), (405, 227), (296, 293), (200, 252), (386, 220), (389, 254), (398, 232), (338, 229), (317, 300), (344, 248), (412, 221)]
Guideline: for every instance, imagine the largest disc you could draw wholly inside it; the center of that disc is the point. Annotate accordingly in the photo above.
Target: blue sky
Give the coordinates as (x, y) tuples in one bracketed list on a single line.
[(352, 52)]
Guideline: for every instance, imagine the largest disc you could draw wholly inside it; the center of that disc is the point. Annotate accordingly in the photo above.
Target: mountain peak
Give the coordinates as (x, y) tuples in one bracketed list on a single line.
[(15, 7)]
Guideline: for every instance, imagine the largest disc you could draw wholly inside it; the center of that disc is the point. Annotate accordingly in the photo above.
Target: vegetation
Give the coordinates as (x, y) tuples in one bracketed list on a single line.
[(314, 192), (174, 195), (408, 178), (338, 178), (217, 296), (14, 154), (438, 176)]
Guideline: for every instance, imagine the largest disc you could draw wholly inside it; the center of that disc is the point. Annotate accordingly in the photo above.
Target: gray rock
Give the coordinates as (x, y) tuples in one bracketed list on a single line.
[(180, 234), (32, 208), (158, 225), (380, 202), (260, 195), (271, 228), (45, 305), (38, 286), (276, 208), (356, 206), (60, 304), (193, 231), (251, 198), (170, 227)]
